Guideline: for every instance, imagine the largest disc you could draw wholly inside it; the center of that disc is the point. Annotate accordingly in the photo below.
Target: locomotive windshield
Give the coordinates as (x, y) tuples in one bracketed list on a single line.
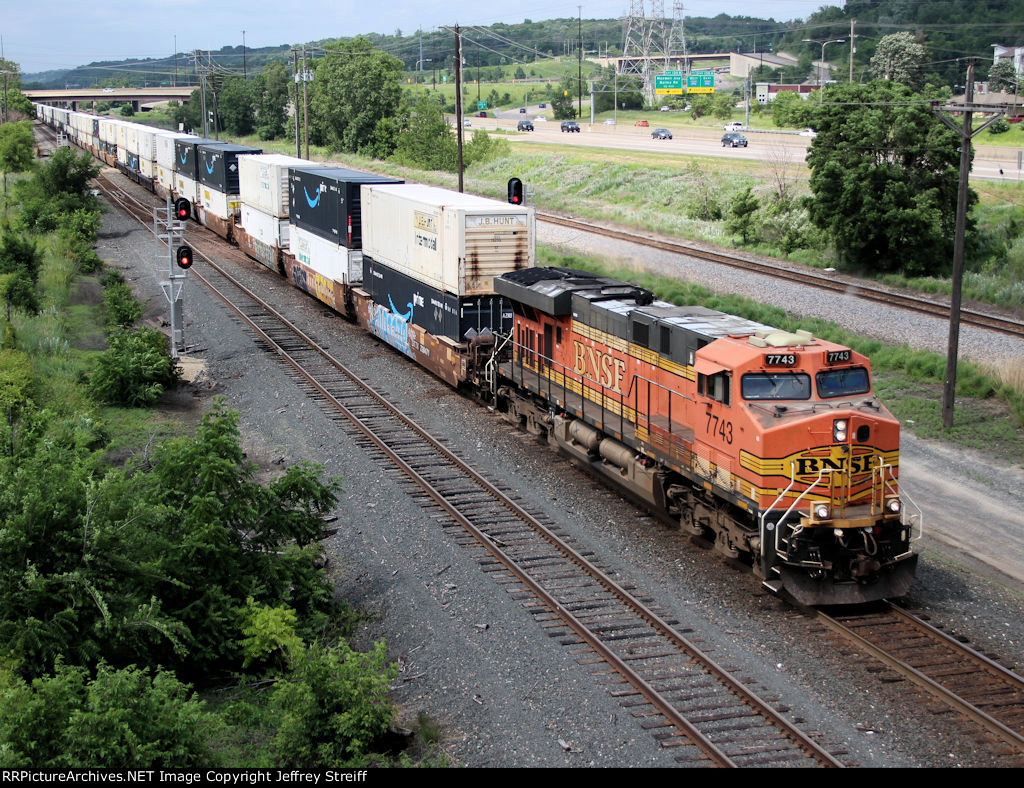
[(776, 385), (843, 382)]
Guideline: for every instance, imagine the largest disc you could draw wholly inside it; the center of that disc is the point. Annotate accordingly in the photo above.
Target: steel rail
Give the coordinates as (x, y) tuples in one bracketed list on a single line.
[(944, 694)]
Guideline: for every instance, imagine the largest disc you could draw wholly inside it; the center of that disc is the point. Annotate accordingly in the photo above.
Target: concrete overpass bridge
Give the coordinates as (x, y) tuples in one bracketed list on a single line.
[(72, 97)]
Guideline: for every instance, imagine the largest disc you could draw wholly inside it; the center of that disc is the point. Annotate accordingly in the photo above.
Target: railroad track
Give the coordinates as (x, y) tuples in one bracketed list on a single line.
[(823, 282), (961, 678), (687, 701)]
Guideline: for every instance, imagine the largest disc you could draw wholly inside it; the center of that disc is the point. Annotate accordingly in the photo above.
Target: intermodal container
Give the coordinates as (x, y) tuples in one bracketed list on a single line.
[(456, 243), (327, 201)]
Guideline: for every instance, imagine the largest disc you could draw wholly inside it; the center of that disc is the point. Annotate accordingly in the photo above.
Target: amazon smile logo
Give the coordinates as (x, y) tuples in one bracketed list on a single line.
[(312, 203)]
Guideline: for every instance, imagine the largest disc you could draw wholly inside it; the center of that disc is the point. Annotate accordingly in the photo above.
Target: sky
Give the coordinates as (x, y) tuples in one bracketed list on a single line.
[(45, 35)]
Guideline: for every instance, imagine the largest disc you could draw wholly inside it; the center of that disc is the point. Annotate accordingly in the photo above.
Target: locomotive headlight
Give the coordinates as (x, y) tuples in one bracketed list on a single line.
[(839, 430), (821, 512), (893, 505)]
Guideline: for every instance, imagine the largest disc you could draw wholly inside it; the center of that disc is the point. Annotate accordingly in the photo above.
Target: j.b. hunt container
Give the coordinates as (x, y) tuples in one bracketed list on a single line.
[(455, 243)]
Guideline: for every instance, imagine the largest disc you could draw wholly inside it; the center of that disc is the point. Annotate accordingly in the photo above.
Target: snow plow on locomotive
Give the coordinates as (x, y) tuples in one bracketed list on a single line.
[(770, 444)]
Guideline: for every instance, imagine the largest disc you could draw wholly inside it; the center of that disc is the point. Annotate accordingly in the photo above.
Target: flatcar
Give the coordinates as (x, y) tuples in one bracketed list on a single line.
[(772, 445)]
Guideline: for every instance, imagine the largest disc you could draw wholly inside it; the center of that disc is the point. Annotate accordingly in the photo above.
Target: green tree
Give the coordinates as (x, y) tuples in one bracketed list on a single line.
[(17, 148), (563, 105), (789, 109), (235, 107), (900, 58), (429, 143), (884, 172), (1003, 76), (20, 261), (741, 214), (356, 90), (271, 97)]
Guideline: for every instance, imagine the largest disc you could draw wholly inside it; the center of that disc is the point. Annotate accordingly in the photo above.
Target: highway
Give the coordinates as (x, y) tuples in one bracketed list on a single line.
[(706, 141)]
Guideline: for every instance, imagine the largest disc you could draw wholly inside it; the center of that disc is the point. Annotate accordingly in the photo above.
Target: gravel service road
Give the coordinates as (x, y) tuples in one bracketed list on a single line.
[(471, 655)]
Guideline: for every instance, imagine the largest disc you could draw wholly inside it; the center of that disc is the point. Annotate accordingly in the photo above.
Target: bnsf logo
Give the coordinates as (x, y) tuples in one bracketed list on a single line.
[(856, 465), (603, 368)]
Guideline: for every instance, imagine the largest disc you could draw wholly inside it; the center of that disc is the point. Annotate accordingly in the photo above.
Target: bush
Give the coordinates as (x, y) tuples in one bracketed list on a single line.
[(122, 719), (332, 708), (135, 370), (122, 307)]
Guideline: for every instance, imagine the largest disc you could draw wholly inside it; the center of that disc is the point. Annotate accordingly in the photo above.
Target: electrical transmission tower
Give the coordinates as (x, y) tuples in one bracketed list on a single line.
[(636, 55), (676, 46)]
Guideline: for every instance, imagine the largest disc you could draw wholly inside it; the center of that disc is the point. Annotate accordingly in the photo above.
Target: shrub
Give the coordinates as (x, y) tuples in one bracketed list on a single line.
[(135, 370)]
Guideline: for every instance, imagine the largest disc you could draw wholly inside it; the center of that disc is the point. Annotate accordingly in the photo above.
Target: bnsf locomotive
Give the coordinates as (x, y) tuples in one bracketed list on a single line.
[(771, 444)]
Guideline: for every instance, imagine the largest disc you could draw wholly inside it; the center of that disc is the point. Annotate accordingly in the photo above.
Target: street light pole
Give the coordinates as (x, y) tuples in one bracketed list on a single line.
[(821, 65)]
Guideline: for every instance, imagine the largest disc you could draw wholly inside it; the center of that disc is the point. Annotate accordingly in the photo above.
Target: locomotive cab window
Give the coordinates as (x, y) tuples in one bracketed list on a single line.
[(775, 385), (715, 386), (843, 382)]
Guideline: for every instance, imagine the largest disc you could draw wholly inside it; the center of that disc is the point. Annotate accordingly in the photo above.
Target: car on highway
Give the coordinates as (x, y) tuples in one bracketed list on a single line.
[(734, 127), (540, 119), (481, 114), (609, 122), (522, 110), (808, 133), (524, 125), (661, 134), (542, 105), (467, 123), (664, 108), (641, 123), (108, 90), (733, 139), (570, 125)]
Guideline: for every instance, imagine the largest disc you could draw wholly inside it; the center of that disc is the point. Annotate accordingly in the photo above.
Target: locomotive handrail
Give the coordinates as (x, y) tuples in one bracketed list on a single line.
[(781, 520)]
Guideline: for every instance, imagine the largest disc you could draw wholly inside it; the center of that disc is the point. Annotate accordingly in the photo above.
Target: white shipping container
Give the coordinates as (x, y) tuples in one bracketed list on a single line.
[(263, 180), (331, 260), (271, 230), (186, 187), (165, 148), (147, 144), (221, 205), (454, 242)]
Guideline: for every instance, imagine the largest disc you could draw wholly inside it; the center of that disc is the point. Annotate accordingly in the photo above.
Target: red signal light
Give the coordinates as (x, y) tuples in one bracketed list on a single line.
[(182, 208), (184, 256), (515, 191)]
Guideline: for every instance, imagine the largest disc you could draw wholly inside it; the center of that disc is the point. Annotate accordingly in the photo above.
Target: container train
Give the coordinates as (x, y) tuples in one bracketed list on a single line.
[(771, 445)]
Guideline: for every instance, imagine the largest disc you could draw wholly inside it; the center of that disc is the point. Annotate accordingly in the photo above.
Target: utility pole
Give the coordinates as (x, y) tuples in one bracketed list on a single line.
[(966, 134), (579, 63), (458, 100), (305, 101), (295, 103), (853, 47), (245, 74)]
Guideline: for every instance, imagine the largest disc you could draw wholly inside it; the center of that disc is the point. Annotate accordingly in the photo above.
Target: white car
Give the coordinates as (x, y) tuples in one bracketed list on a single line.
[(609, 122), (808, 133), (664, 108), (734, 127), (540, 119), (108, 90), (467, 123)]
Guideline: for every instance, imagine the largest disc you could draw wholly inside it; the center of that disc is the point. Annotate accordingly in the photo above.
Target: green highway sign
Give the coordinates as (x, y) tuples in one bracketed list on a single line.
[(700, 82), (669, 84)]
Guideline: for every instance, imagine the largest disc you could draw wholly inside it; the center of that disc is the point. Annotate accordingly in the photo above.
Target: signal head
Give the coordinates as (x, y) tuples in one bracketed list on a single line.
[(184, 257), (182, 208), (515, 191)]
